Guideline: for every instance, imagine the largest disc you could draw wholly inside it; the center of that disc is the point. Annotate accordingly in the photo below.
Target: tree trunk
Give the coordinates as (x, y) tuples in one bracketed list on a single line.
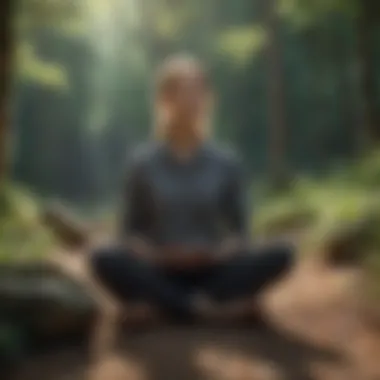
[(5, 48), (369, 128), (276, 94)]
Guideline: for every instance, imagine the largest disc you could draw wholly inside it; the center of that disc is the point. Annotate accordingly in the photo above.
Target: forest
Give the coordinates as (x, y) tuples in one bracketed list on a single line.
[(298, 94), (297, 85)]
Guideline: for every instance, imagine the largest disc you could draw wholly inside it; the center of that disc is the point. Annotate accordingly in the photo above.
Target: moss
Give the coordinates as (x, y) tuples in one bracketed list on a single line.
[(21, 236)]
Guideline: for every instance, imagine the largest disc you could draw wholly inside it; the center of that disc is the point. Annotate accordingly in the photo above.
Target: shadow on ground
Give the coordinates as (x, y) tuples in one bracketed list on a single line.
[(196, 353), (315, 336)]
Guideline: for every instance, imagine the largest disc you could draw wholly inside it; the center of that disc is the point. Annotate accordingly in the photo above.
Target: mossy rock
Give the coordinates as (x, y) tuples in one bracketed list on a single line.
[(13, 344), (44, 301)]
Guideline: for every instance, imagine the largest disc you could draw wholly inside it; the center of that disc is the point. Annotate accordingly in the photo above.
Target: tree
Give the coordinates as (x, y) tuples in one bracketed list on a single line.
[(366, 20), (5, 52), (276, 93), (364, 16)]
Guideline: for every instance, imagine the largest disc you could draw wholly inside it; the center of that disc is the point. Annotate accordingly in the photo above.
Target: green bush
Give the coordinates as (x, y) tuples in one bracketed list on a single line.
[(366, 172)]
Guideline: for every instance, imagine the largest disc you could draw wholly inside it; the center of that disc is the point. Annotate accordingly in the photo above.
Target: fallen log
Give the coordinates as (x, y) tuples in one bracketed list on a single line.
[(67, 228), (42, 302)]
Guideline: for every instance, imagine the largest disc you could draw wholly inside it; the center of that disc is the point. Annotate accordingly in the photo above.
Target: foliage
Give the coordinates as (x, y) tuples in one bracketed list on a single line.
[(83, 84), (30, 69), (305, 13), (239, 44), (325, 205), (22, 237), (367, 171)]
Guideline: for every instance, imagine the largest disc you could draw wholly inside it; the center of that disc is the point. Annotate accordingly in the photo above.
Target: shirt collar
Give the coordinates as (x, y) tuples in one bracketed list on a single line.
[(192, 159)]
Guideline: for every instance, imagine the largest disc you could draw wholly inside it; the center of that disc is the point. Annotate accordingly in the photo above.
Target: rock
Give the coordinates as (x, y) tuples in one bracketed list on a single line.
[(43, 301), (13, 345)]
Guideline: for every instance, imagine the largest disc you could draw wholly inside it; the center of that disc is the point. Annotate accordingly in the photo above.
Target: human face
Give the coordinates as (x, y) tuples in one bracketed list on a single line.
[(186, 101)]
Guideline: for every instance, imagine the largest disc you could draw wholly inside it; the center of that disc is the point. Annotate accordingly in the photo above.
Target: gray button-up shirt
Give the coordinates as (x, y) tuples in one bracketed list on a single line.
[(197, 202)]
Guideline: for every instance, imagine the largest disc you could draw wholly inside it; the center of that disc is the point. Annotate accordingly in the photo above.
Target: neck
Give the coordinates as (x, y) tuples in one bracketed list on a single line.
[(184, 143)]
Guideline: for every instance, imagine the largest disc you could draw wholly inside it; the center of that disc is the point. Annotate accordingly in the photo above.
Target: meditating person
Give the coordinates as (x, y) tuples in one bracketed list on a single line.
[(185, 245)]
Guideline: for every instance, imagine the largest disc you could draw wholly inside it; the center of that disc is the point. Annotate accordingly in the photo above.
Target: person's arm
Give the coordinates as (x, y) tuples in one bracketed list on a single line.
[(234, 209), (136, 217), (233, 213)]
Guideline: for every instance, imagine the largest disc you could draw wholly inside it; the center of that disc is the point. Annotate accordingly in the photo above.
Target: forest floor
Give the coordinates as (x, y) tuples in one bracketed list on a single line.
[(316, 334)]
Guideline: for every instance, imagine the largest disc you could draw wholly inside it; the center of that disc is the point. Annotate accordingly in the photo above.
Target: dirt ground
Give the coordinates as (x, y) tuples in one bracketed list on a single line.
[(316, 335)]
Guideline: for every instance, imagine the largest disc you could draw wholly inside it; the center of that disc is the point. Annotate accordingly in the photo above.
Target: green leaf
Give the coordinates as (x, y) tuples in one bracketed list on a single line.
[(240, 43)]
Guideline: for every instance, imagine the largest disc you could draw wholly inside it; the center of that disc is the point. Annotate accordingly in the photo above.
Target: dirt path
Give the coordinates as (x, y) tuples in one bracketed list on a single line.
[(316, 335)]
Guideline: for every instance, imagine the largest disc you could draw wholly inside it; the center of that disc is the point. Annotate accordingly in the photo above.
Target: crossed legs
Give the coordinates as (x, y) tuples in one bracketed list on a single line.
[(235, 281)]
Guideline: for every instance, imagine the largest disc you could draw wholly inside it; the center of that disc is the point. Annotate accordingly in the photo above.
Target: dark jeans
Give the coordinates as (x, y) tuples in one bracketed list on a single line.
[(130, 278)]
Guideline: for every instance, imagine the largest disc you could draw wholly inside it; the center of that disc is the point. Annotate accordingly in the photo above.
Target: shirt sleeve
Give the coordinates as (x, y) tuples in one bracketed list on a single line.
[(234, 205), (135, 213)]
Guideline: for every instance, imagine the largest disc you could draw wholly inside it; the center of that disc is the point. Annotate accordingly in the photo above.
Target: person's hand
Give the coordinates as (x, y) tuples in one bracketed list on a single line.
[(141, 248), (228, 248), (185, 257)]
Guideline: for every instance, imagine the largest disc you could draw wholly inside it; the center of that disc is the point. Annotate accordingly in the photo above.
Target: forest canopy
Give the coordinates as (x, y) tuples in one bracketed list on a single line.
[(302, 71)]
